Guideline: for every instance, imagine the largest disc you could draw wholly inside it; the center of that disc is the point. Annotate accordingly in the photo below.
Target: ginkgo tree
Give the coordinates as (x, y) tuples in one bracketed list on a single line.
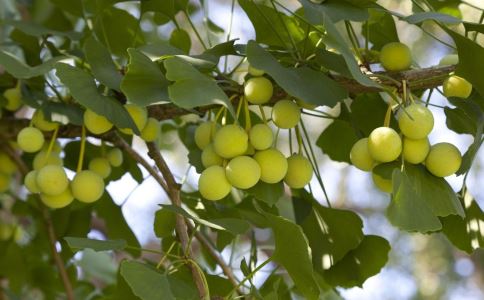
[(89, 91)]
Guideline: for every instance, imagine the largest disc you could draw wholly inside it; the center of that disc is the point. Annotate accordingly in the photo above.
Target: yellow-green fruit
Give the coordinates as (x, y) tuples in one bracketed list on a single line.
[(255, 72), (151, 131), (273, 165), (30, 139), (139, 116), (204, 134), (210, 158), (258, 90), (384, 185), (299, 171), (450, 59), (41, 160), (384, 144), (6, 231), (4, 182), (56, 148), (7, 166), (416, 121), (58, 201), (100, 166), (87, 186), (52, 180), (14, 99), (261, 137), (286, 114), (444, 159), (95, 123), (243, 172), (250, 150), (395, 57), (39, 121), (30, 182), (213, 184), (415, 151), (360, 155), (456, 86), (305, 104), (230, 141), (115, 157)]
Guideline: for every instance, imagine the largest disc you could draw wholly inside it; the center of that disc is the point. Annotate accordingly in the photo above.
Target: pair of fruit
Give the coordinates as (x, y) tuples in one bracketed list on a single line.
[(102, 165)]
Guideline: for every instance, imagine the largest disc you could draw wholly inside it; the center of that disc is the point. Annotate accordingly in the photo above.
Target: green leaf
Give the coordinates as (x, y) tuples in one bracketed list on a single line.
[(38, 30), (191, 88), (365, 105), (338, 10), (165, 221), (266, 192), (181, 39), (418, 18), (102, 65), (20, 70), (83, 88), (337, 140), (144, 83), (381, 27), (303, 83), (97, 245), (169, 8), (98, 266), (145, 281), (291, 244), (359, 264)]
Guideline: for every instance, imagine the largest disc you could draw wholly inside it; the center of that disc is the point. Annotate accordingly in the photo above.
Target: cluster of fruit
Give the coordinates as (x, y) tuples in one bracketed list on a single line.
[(240, 158)]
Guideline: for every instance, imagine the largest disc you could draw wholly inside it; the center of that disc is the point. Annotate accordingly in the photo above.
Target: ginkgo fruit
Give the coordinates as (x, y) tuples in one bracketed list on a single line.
[(395, 57), (213, 184), (299, 171), (261, 136), (151, 131), (7, 166), (444, 159), (455, 86), (415, 151), (39, 121), (4, 182), (14, 98), (30, 182), (210, 157), (416, 121), (230, 141), (30, 139), (41, 159), (100, 166), (243, 172), (273, 165), (139, 116), (383, 184), (255, 72), (87, 186), (258, 90), (384, 144), (360, 155), (52, 180), (58, 201), (115, 157), (95, 123), (286, 114), (204, 134)]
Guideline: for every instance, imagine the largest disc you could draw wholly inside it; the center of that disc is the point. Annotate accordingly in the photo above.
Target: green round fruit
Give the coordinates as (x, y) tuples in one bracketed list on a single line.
[(30, 139), (210, 158), (7, 166), (444, 159), (286, 114), (384, 185), (255, 72), (230, 141), (41, 160), (360, 155), (261, 137), (455, 86), (416, 121), (258, 90), (56, 148), (449, 59), (395, 57), (115, 157), (138, 114), (95, 123), (58, 201), (243, 172), (14, 99), (299, 171), (213, 184), (151, 131), (30, 182), (52, 180), (100, 166), (415, 151), (39, 121), (273, 165), (87, 186), (4, 182), (384, 144), (204, 134), (6, 231)]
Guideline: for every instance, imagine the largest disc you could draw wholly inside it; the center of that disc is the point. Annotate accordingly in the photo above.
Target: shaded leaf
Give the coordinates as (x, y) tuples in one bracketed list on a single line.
[(146, 282), (381, 27), (266, 192), (165, 221), (20, 70), (337, 140), (102, 65), (97, 245)]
